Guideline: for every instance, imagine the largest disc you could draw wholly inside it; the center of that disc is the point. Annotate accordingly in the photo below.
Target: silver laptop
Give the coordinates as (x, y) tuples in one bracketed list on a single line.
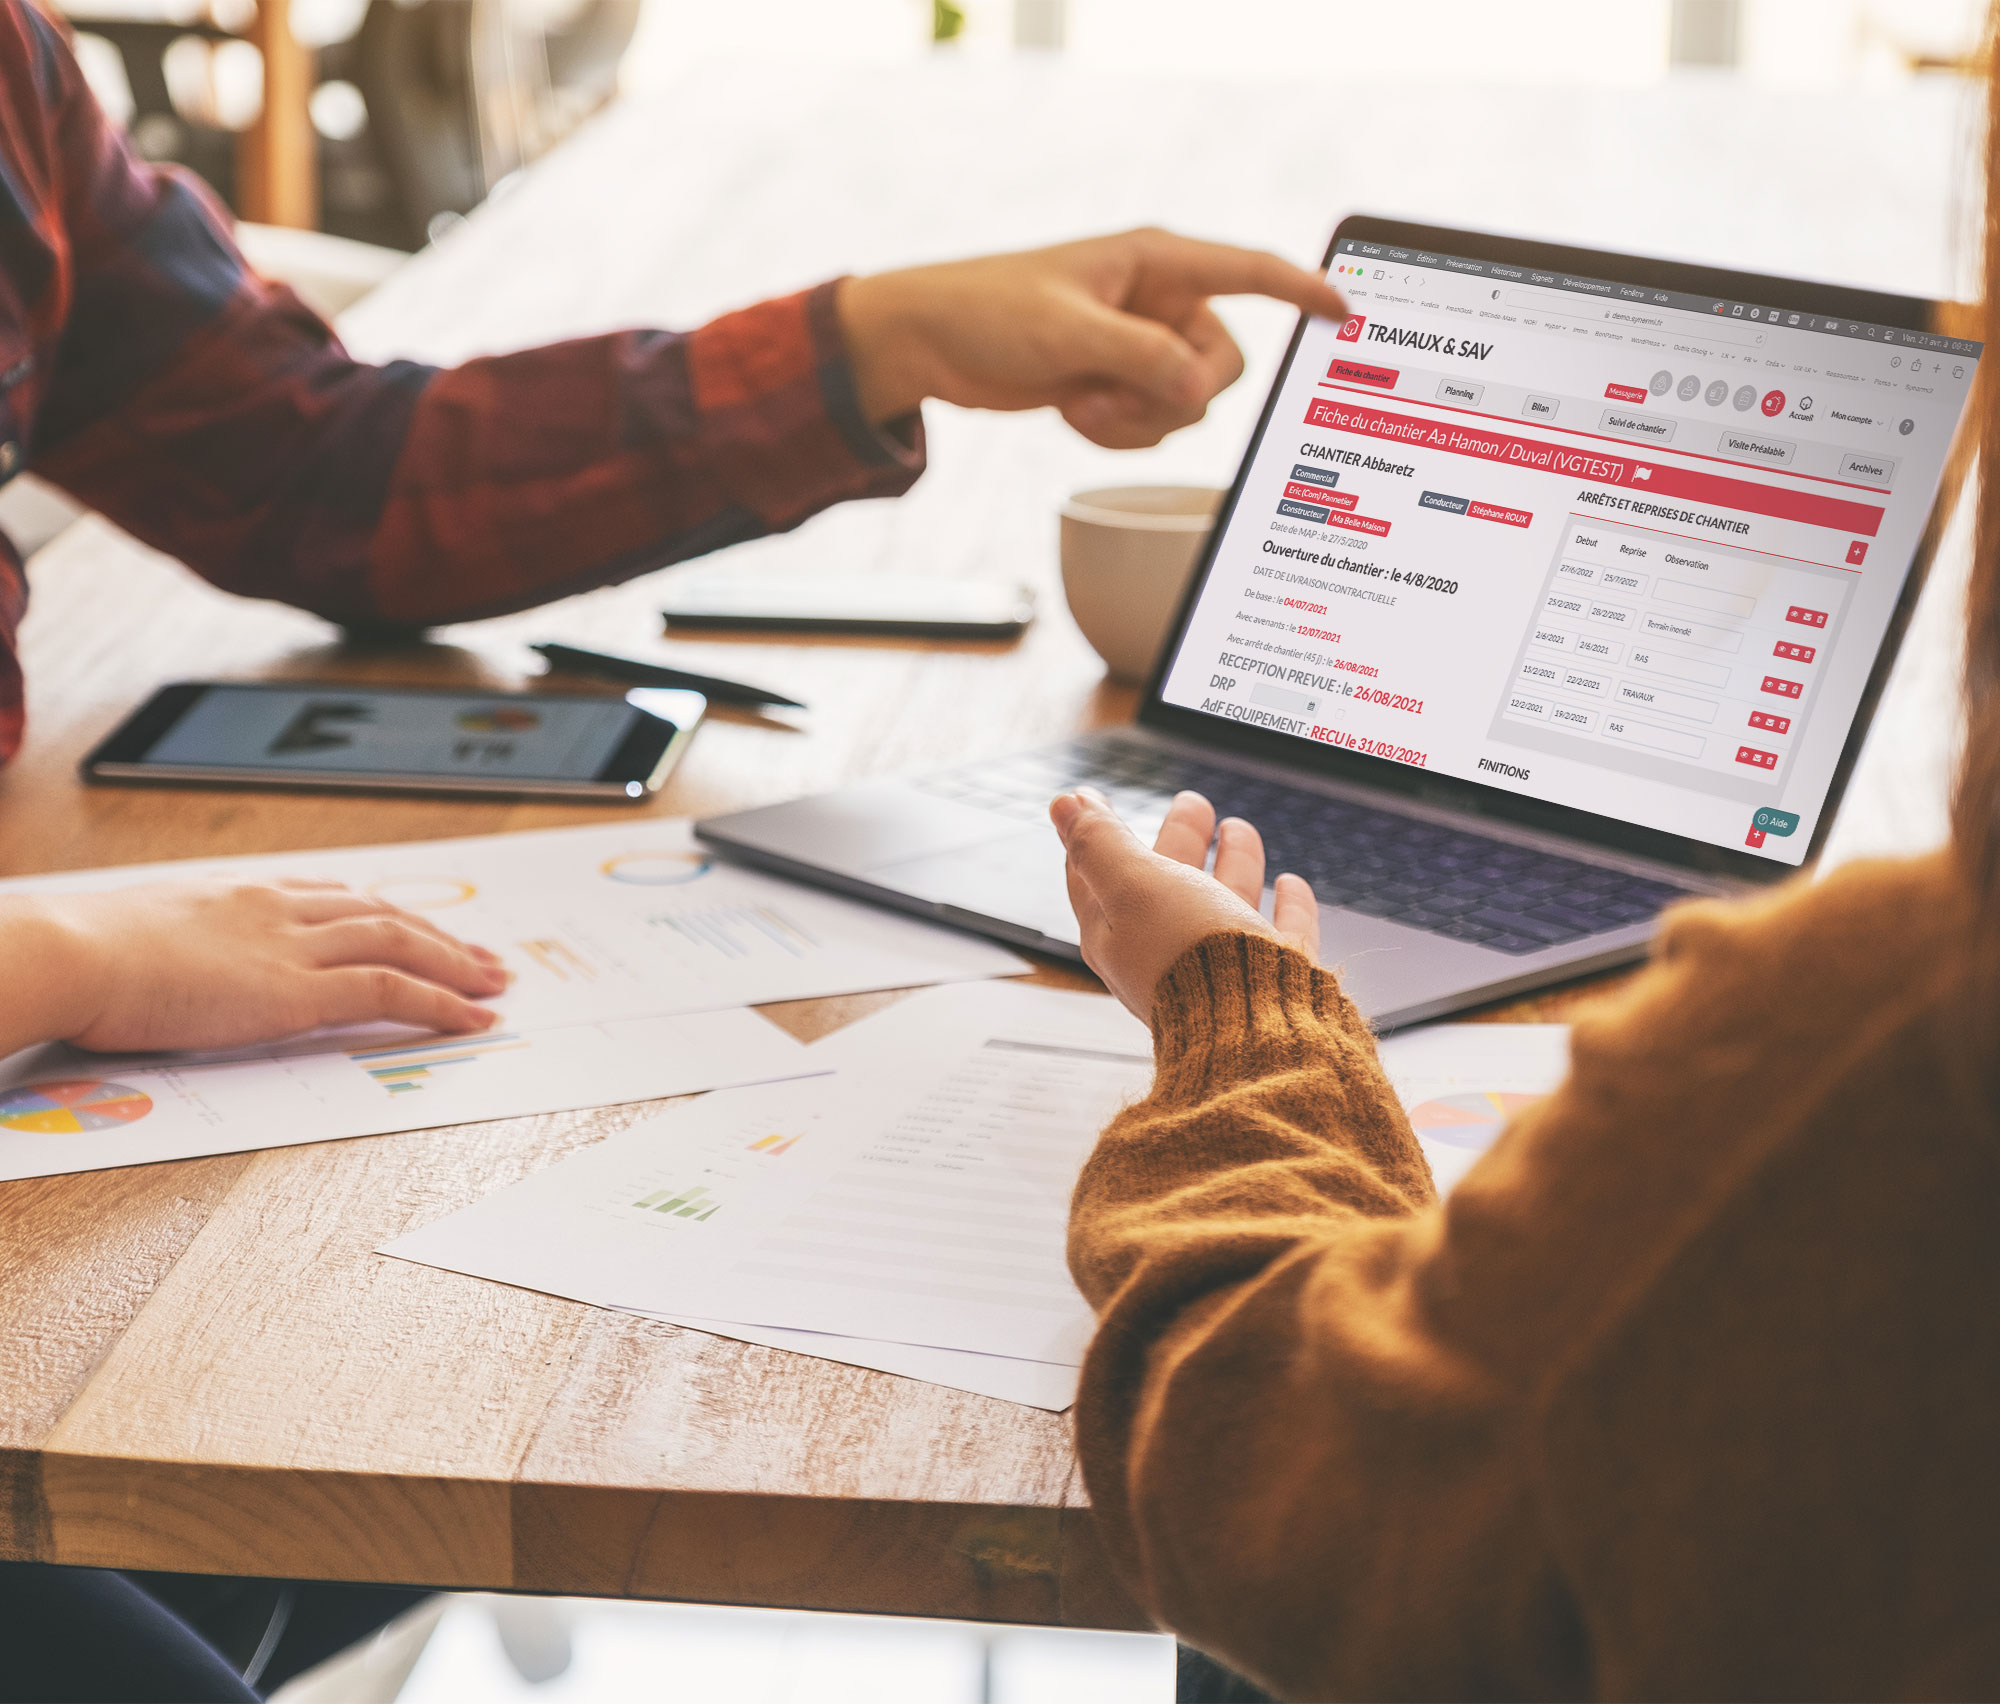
[(1554, 586)]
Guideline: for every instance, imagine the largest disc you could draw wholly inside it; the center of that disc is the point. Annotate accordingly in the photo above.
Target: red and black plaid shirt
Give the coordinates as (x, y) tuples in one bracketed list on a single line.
[(148, 372)]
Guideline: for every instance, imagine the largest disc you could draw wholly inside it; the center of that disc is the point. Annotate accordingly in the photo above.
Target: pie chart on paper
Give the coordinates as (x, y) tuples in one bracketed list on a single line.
[(1468, 1120), (72, 1106)]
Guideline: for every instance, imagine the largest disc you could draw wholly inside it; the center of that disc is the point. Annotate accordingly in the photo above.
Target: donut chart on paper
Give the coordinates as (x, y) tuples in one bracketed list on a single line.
[(1468, 1120), (71, 1106), (656, 869), (422, 893)]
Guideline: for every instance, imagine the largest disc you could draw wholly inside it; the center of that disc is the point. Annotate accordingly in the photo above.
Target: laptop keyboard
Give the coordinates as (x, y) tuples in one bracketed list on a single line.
[(1424, 875)]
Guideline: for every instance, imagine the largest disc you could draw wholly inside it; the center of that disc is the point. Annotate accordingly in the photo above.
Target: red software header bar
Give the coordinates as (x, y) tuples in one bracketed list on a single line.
[(1716, 491)]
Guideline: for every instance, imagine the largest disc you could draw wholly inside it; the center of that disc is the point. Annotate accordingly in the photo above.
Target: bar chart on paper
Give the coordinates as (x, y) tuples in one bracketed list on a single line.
[(692, 1201), (403, 1070)]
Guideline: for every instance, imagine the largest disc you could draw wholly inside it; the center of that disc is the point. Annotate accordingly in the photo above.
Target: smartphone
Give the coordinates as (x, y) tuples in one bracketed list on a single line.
[(402, 739), (914, 605)]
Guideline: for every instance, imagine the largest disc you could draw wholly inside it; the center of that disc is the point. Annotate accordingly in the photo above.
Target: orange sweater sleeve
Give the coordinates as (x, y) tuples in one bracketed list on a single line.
[(1573, 1431), (1283, 1451)]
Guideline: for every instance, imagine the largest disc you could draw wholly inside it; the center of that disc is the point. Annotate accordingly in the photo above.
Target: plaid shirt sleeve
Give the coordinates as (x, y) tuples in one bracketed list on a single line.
[(210, 414)]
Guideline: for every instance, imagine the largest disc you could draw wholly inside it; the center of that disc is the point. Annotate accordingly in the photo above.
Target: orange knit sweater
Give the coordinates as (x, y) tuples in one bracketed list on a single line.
[(1692, 1390)]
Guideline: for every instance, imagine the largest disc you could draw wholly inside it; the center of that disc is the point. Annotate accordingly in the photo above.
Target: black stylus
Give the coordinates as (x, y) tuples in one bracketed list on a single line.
[(641, 673)]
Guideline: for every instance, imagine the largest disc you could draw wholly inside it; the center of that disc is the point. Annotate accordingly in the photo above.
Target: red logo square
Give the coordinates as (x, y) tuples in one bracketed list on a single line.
[(1351, 331)]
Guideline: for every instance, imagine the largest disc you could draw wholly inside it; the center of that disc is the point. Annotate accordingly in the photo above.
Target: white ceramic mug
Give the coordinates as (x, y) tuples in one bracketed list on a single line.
[(1127, 552)]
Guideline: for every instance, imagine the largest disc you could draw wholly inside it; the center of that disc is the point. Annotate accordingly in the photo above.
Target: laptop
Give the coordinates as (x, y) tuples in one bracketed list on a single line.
[(1554, 587)]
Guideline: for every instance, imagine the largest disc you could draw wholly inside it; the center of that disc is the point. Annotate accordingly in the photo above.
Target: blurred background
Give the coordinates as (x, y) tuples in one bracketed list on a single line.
[(385, 120), (529, 169)]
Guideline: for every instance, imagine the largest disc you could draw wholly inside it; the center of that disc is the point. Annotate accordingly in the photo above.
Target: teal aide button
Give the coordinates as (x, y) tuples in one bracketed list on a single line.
[(1779, 823)]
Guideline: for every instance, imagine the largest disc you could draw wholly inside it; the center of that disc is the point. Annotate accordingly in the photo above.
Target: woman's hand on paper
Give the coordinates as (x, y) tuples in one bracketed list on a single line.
[(1141, 910), (228, 964), (1116, 332)]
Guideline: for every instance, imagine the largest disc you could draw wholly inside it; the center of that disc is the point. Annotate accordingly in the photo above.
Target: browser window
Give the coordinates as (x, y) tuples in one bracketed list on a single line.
[(1620, 549)]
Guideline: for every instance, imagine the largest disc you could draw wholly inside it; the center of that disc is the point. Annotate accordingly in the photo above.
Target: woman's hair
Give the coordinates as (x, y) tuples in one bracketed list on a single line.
[(1975, 816)]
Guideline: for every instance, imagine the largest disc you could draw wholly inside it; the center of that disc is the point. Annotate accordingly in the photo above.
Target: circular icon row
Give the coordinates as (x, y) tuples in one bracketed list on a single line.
[(1717, 393)]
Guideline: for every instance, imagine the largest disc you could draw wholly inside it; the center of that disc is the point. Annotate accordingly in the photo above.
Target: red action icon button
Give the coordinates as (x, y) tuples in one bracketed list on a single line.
[(1754, 838), (1794, 653), (1769, 723), (1756, 759), (1782, 687), (1806, 617), (1857, 553), (1774, 403)]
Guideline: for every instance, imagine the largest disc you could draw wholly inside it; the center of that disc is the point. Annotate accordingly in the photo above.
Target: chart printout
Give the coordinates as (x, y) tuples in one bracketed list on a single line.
[(919, 1195), (908, 1217), (1605, 546), (633, 955), (624, 920), (1461, 1084), (62, 1110)]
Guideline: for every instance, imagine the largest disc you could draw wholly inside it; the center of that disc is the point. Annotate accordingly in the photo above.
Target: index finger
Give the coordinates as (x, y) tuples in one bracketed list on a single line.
[(1220, 269)]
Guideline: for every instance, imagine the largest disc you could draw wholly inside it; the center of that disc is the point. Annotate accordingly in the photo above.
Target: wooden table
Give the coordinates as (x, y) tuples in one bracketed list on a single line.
[(203, 1366)]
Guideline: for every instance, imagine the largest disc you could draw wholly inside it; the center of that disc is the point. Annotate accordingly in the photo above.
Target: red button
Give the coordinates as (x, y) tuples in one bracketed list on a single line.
[(1782, 687), (1774, 402), (1771, 724), (1297, 492), (1494, 512), (1353, 373), (1806, 617), (1756, 759), (1857, 552), (1625, 393), (1754, 838), (1796, 653)]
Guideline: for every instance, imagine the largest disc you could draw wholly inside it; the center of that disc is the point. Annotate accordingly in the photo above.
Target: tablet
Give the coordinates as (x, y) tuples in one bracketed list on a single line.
[(402, 739)]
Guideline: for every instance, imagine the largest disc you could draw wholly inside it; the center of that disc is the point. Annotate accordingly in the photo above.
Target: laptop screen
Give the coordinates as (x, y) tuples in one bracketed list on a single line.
[(1627, 550)]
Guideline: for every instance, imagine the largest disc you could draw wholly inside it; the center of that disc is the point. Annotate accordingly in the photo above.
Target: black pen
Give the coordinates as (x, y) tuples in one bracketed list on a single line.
[(642, 673)]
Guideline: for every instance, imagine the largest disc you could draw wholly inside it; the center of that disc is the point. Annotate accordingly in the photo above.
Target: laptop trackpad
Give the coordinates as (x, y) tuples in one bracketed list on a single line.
[(1017, 878)]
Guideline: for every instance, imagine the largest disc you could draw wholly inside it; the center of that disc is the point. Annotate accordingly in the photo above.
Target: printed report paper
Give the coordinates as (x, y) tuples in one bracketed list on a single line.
[(909, 1212), (620, 920), (62, 1110), (1033, 1384), (920, 1196), (632, 952)]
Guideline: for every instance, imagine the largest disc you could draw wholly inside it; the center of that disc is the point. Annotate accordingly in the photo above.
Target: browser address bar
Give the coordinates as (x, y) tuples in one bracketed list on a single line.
[(1587, 312)]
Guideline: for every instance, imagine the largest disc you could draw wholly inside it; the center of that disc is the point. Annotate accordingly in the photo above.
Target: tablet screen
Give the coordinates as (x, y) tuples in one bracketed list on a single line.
[(1615, 548), (322, 730)]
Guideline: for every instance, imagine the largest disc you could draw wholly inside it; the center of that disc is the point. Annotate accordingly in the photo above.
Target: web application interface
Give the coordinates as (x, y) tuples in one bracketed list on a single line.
[(1611, 547), (314, 730)]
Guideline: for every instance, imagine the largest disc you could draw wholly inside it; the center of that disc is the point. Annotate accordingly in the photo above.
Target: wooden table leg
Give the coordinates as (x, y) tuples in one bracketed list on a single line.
[(276, 165)]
